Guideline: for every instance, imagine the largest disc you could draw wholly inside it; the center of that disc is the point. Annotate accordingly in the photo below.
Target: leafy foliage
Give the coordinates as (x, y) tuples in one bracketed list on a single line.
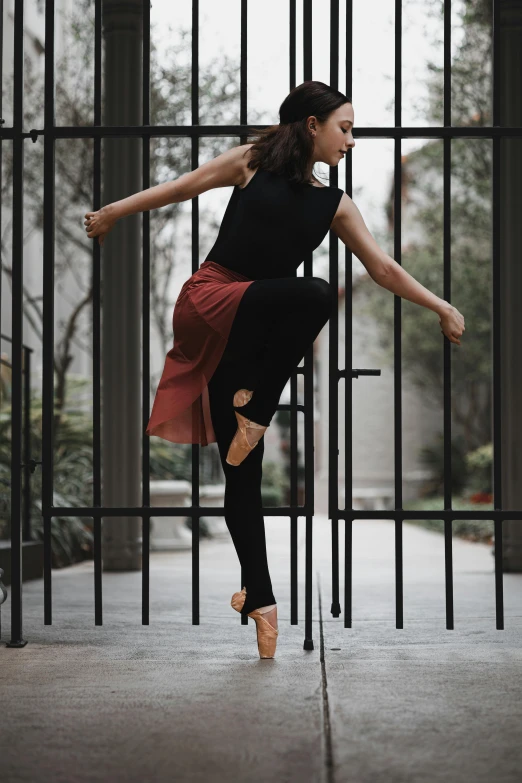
[(73, 472), (422, 218), (171, 82), (71, 537)]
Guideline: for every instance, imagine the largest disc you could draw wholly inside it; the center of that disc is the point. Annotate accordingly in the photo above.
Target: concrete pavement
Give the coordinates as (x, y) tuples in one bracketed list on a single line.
[(173, 701)]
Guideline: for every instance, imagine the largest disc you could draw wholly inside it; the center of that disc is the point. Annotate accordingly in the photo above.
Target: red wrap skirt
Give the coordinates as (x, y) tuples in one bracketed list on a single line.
[(202, 319)]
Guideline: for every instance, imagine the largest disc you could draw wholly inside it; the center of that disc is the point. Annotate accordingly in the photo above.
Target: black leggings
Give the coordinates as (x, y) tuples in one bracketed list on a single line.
[(275, 323)]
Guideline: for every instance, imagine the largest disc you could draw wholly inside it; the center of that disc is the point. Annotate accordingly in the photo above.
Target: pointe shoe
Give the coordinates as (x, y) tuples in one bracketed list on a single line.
[(240, 447), (241, 397), (238, 600), (266, 635)]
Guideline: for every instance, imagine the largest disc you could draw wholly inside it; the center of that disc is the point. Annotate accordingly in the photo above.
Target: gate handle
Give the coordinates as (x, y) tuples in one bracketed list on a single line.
[(31, 464), (356, 373)]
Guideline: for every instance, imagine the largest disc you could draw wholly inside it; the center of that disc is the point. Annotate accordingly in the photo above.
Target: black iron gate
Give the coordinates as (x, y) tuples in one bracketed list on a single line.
[(48, 135), (447, 133)]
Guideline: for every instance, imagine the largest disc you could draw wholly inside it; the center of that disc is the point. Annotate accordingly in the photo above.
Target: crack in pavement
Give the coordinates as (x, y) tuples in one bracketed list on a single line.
[(329, 765)]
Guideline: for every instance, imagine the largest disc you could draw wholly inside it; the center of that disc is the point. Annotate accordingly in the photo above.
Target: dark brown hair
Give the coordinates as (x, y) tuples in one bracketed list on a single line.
[(287, 148)]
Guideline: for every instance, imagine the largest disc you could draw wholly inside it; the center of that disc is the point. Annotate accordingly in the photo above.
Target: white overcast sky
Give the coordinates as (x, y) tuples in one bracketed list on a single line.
[(373, 69)]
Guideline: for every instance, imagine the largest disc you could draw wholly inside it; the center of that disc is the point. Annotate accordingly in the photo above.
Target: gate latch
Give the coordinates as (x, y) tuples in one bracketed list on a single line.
[(31, 464)]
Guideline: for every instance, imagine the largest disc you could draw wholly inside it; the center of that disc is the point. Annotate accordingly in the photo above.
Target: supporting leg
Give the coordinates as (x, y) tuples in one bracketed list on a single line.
[(243, 502)]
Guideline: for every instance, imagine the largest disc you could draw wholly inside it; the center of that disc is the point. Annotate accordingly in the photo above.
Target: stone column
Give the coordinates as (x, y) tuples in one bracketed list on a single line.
[(510, 65), (121, 287)]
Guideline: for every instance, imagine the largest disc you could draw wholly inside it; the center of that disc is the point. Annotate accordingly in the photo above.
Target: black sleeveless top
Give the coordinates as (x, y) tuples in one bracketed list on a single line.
[(270, 225)]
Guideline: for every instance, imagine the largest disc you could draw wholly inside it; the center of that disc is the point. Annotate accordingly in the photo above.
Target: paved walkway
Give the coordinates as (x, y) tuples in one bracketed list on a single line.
[(177, 702)]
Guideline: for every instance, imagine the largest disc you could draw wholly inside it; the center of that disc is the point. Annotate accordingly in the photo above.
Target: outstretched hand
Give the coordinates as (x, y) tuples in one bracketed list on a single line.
[(452, 324), (99, 223)]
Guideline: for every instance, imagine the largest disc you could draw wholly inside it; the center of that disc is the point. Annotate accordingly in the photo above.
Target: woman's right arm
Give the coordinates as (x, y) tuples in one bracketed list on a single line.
[(225, 170)]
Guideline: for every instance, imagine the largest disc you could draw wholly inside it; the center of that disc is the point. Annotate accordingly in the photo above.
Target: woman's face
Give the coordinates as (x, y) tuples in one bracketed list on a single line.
[(334, 138)]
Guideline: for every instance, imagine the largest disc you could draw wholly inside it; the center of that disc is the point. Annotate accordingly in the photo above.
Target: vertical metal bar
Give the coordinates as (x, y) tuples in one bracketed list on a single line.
[(348, 559), (96, 323), (397, 378), (26, 533), (2, 122), (333, 347), (194, 155), (446, 344), (293, 455), (294, 481), (48, 309), (17, 333), (307, 40), (308, 385), (293, 47), (243, 67), (294, 419), (309, 486), (145, 583), (243, 139), (348, 360), (496, 336)]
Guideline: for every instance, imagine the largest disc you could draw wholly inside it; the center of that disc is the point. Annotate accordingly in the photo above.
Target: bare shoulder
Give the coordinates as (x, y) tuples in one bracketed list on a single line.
[(245, 157), (234, 165), (345, 208)]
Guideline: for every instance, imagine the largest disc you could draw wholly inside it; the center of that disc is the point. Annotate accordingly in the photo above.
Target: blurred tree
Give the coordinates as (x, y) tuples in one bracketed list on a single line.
[(171, 80), (422, 252)]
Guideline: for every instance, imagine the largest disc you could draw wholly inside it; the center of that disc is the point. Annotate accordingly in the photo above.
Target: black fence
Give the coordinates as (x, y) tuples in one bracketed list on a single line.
[(48, 135), (447, 133), (29, 464)]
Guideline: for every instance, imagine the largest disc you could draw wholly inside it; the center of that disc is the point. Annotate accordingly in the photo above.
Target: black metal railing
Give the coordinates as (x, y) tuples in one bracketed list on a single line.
[(29, 464), (447, 133), (50, 133)]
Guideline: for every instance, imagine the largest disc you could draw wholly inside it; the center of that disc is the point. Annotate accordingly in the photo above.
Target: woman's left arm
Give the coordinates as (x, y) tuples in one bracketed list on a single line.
[(351, 229)]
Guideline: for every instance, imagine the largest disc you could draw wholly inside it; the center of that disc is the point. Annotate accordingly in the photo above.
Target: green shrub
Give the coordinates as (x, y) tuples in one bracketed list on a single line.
[(432, 457), (470, 529), (480, 468), (72, 537), (273, 484)]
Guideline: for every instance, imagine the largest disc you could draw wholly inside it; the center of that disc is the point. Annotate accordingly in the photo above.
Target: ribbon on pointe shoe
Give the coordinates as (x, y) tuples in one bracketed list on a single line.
[(265, 609), (266, 635), (240, 446)]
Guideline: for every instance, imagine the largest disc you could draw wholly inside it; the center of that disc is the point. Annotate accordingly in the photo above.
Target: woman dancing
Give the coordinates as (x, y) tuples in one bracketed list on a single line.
[(244, 321)]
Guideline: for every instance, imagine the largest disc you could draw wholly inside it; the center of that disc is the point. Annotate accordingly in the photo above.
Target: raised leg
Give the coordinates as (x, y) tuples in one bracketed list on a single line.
[(299, 308)]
